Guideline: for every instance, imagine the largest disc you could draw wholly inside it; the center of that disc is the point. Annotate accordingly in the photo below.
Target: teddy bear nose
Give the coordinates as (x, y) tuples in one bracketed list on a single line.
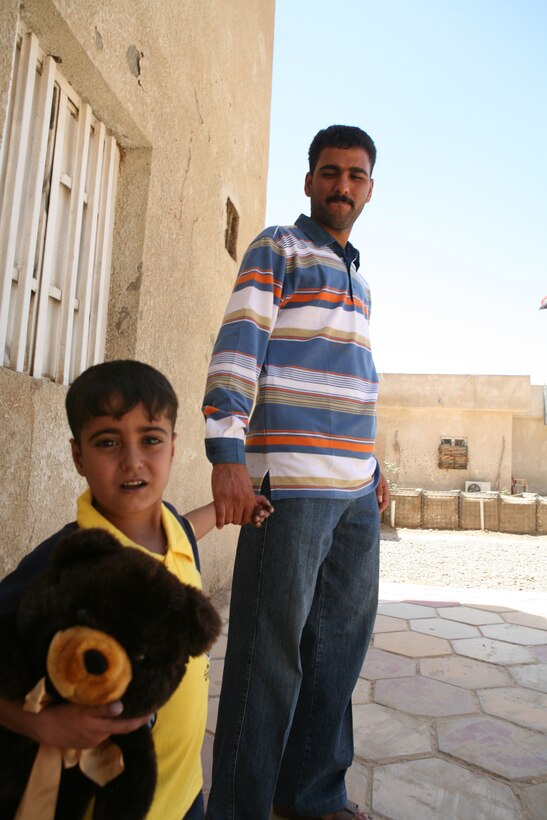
[(95, 662)]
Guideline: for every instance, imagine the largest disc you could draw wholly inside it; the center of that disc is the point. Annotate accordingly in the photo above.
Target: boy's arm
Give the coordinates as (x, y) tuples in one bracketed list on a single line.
[(68, 726), (203, 519)]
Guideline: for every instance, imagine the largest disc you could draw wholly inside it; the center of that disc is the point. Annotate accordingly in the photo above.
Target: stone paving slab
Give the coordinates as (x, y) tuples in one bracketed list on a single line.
[(450, 711), (496, 746), (436, 790)]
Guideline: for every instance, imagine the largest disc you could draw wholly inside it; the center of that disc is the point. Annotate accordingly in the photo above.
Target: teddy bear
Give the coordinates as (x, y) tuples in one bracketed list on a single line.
[(103, 623)]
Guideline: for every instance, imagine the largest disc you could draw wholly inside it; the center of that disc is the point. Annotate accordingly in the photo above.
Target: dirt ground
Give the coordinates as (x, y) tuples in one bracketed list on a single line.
[(491, 560)]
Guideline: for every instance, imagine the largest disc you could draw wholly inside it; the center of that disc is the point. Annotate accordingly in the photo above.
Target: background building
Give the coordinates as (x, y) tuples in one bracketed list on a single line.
[(438, 432), (134, 150)]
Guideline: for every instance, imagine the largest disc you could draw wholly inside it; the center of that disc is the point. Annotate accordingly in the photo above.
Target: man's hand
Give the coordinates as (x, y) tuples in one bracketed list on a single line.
[(382, 494), (233, 494)]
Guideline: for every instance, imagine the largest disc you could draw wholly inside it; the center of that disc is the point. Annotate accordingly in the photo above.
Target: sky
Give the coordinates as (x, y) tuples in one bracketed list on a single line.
[(454, 240)]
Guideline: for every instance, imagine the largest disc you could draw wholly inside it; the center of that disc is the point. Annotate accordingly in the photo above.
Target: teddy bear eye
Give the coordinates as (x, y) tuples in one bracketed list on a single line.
[(82, 615), (140, 658)]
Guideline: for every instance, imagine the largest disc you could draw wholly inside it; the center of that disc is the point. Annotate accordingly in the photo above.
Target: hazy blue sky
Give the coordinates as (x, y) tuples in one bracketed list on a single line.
[(454, 241)]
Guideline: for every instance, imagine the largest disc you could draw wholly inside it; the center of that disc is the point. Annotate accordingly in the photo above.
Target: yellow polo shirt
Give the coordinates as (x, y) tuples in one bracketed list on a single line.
[(180, 725)]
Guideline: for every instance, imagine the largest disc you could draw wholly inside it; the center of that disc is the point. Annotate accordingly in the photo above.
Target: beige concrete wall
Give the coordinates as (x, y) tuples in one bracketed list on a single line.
[(530, 444), (185, 88), (409, 438), (501, 417)]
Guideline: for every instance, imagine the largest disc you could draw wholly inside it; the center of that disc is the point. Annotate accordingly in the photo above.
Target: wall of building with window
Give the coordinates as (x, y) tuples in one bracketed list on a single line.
[(133, 167), (439, 432)]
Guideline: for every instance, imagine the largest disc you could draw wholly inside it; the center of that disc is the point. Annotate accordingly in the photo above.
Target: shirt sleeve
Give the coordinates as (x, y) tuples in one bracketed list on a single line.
[(240, 349), (31, 567)]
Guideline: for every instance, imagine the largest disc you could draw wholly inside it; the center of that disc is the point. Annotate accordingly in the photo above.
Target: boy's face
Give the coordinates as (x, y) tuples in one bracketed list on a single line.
[(126, 461)]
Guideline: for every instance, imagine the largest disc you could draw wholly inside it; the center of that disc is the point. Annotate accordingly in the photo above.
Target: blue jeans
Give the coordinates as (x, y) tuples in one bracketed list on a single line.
[(304, 599)]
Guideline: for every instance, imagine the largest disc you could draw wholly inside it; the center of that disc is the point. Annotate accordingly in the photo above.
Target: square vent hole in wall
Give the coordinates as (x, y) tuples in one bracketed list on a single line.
[(453, 454), (232, 229)]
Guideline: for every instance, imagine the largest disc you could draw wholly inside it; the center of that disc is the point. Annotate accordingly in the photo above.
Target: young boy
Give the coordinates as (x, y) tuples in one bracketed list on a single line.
[(122, 415)]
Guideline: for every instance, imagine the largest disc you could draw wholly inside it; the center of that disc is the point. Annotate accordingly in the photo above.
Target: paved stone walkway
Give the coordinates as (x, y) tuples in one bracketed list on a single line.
[(450, 711)]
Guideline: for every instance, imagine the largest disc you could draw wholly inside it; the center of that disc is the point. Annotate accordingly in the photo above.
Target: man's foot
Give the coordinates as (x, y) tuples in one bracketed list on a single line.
[(349, 812)]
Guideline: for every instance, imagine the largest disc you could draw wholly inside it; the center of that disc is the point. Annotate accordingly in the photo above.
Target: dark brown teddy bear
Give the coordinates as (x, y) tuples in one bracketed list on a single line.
[(103, 623)]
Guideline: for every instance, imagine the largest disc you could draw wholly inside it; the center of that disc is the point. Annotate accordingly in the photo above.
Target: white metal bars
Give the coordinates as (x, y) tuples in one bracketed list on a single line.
[(59, 170)]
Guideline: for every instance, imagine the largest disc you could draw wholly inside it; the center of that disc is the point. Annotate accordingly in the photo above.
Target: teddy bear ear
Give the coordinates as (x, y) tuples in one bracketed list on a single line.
[(84, 545), (202, 622)]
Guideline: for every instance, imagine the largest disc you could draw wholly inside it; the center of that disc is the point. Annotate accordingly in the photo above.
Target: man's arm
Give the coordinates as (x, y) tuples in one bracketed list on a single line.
[(238, 356), (68, 726)]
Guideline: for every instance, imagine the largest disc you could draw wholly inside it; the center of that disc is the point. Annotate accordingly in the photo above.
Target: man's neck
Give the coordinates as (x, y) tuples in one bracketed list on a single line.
[(341, 236)]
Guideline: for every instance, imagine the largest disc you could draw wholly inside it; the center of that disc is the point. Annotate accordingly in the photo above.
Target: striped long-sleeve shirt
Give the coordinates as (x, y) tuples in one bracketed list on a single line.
[(296, 336)]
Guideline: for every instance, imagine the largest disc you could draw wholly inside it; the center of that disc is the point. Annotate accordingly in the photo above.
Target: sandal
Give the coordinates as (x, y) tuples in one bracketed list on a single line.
[(349, 812)]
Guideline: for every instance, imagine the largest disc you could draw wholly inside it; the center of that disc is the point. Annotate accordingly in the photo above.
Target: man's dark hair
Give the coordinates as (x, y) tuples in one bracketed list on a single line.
[(115, 388), (341, 136)]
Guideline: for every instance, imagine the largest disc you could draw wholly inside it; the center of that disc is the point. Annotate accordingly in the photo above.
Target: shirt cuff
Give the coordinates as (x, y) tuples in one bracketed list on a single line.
[(225, 450)]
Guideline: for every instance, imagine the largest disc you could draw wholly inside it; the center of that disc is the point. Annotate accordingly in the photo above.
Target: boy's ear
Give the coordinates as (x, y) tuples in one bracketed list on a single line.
[(77, 456), (173, 437)]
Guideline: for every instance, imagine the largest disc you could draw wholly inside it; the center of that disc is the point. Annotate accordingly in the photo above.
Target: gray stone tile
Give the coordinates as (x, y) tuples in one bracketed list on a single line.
[(433, 789), (412, 644), (379, 664), (424, 696), (466, 672), (534, 799), (381, 733), (404, 610), (361, 693), (495, 745), (532, 675), (525, 619), (487, 649), (359, 784), (541, 653), (218, 650), (207, 763), (470, 615), (523, 706), (443, 628), (215, 677), (384, 623), (513, 633), (212, 714)]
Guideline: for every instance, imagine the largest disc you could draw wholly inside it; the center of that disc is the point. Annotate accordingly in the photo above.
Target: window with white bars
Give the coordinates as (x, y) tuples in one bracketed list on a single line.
[(59, 168)]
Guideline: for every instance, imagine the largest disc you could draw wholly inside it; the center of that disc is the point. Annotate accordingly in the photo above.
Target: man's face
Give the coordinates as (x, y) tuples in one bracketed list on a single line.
[(339, 189)]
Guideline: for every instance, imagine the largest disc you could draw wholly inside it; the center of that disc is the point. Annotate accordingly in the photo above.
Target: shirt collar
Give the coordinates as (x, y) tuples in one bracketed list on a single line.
[(320, 236), (88, 516)]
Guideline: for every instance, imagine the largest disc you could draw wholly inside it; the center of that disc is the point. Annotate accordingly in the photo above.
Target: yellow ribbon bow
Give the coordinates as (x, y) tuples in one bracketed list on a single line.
[(101, 764)]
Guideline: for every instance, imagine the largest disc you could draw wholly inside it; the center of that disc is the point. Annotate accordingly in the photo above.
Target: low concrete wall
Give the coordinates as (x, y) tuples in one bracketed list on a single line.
[(414, 508)]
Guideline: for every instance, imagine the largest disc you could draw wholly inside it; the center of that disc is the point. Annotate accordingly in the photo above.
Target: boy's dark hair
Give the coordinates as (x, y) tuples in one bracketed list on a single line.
[(341, 136), (115, 388)]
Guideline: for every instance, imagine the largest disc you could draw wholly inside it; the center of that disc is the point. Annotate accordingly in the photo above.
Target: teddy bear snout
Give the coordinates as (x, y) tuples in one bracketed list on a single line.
[(87, 666), (95, 662)]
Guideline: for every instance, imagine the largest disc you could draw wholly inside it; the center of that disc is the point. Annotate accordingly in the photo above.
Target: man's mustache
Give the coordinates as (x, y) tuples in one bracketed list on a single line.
[(341, 198)]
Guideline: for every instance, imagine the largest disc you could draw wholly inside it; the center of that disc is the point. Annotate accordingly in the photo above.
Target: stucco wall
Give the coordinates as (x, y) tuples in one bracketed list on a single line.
[(500, 416), (530, 444), (410, 437), (185, 89)]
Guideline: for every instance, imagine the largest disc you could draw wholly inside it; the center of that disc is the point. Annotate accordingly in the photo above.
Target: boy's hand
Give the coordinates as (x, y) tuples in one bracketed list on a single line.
[(263, 509), (68, 726)]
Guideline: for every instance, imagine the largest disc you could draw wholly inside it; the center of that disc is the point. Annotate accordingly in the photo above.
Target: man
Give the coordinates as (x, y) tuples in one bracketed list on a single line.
[(305, 586)]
